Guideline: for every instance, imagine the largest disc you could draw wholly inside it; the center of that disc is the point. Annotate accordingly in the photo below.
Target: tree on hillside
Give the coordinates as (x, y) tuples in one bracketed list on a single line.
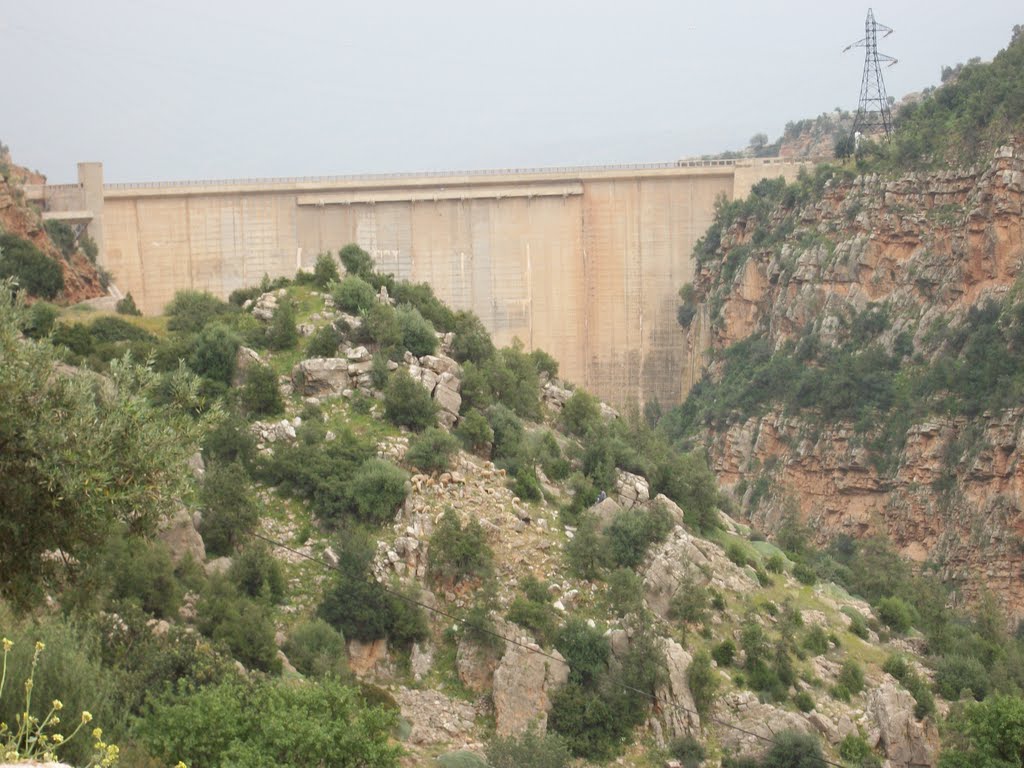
[(80, 453)]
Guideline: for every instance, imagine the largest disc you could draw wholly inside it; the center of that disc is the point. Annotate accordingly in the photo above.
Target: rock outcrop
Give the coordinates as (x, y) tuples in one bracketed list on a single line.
[(523, 683), (928, 247)]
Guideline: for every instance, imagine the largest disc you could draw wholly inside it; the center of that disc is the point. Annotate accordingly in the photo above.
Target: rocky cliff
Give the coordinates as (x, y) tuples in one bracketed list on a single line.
[(888, 308), (82, 279)]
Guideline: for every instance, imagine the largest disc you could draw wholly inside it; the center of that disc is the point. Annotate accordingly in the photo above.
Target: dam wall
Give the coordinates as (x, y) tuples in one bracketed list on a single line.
[(584, 263)]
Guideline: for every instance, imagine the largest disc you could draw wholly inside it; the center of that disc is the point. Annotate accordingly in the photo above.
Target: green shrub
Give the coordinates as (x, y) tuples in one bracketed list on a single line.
[(689, 604), (724, 653), (544, 363), (816, 641), (324, 342), (354, 295), (856, 751), (528, 750), (851, 676), (39, 322), (242, 625), (126, 306), (897, 666), (586, 651), (356, 261), (263, 723), (737, 553), (955, 675), (775, 564), (325, 271), (704, 682), (533, 610), (407, 403), (525, 484), (378, 488), (417, 333), (260, 396), (791, 749), (508, 432), (840, 692), (896, 614), (687, 750), (214, 354), (229, 510), (229, 441), (588, 553), (625, 593), (804, 701), (379, 372), (62, 236), (190, 311), (282, 332), (581, 413), (512, 381), (804, 574), (432, 450), (592, 726), (35, 272), (689, 482), (471, 341), (475, 433), (633, 531), (316, 649), (421, 296), (858, 624), (142, 573), (458, 552), (361, 608), (381, 325), (89, 247), (257, 573)]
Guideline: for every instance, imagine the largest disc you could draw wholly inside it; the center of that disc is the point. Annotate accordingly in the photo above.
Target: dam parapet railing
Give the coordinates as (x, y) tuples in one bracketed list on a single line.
[(377, 178)]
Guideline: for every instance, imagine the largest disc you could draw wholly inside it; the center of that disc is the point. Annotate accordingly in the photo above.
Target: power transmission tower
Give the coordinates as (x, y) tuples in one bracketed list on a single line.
[(873, 114)]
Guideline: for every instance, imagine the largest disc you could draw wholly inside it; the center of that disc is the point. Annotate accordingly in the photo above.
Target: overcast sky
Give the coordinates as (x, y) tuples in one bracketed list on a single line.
[(179, 89)]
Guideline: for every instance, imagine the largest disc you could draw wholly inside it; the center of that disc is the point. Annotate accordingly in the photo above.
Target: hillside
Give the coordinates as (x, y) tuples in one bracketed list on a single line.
[(49, 259), (860, 330), (389, 509)]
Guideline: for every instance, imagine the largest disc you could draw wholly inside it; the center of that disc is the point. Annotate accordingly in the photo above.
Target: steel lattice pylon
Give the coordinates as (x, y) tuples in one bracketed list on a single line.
[(873, 113)]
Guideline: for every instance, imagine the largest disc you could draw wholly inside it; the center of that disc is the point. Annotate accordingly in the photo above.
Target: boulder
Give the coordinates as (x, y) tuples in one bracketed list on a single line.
[(903, 739), (605, 511), (181, 537), (756, 723), (434, 717), (441, 365), (245, 359), (522, 684), (363, 658), (674, 699), (321, 376), (448, 399), (631, 489)]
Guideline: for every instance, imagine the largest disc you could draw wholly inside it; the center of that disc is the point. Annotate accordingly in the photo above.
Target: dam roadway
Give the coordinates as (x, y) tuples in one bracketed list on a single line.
[(583, 262)]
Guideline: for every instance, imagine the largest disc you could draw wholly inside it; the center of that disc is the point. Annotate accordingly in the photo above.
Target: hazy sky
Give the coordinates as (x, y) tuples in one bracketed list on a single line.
[(178, 89)]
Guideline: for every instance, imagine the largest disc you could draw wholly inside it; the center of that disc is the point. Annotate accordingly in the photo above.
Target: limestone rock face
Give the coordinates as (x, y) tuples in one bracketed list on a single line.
[(674, 699), (364, 657), (321, 376), (605, 511), (904, 739), (475, 666), (522, 684), (684, 558), (435, 718), (631, 489), (755, 722), (929, 247), (182, 538)]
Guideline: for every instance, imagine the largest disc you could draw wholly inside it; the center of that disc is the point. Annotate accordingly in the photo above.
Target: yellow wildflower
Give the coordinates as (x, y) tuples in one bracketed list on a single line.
[(7, 645), (86, 716), (57, 705), (40, 645)]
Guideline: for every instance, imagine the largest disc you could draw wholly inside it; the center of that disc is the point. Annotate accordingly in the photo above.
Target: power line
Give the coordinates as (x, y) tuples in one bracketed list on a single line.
[(530, 648)]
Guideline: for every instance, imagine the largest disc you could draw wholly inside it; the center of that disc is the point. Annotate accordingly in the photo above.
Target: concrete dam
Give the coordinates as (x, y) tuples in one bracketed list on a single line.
[(582, 262)]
